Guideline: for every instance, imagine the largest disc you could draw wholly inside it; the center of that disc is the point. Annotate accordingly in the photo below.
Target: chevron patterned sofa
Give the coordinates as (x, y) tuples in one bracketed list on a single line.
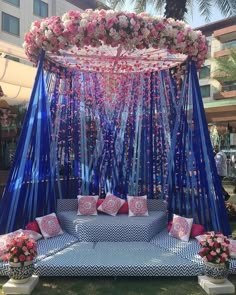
[(119, 228)]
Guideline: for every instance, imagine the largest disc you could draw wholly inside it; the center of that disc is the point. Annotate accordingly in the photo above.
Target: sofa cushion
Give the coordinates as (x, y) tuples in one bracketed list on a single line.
[(118, 228)]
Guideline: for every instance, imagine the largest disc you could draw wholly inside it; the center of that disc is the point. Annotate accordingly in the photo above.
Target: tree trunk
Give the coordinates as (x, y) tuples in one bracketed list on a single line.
[(176, 9)]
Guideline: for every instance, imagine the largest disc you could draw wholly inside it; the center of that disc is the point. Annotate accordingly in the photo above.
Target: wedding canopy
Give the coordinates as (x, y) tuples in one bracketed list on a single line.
[(116, 107)]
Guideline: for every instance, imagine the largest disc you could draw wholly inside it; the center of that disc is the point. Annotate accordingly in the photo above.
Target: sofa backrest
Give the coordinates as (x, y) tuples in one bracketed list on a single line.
[(71, 205)]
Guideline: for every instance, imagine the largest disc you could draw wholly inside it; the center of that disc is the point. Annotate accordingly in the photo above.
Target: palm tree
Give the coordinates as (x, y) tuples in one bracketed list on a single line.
[(177, 8), (226, 68)]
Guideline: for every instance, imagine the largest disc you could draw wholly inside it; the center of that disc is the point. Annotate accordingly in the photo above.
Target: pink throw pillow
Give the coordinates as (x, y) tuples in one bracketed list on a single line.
[(137, 205), (232, 248), (33, 226), (181, 227), (30, 233), (124, 209), (111, 205), (49, 225), (197, 229), (99, 202), (3, 244), (87, 205)]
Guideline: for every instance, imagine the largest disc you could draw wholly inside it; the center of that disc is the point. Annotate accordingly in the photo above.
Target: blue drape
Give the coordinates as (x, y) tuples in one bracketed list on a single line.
[(146, 135)]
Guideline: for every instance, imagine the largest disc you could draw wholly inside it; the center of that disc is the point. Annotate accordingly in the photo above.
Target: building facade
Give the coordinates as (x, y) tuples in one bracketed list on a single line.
[(219, 98), (17, 15)]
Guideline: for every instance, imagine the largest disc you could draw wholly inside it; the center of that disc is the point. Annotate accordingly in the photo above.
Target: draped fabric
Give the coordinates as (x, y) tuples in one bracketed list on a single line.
[(128, 134)]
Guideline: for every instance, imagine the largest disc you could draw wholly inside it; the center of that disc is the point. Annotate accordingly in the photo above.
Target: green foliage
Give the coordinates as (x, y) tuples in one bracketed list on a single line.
[(226, 68), (177, 9)]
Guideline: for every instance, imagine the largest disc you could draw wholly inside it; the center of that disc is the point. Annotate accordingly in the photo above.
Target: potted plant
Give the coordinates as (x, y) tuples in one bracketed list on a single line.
[(231, 210), (20, 253), (215, 254)]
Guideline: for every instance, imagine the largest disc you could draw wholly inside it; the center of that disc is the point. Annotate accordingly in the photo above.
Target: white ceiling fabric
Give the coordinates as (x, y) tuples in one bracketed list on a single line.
[(16, 79)]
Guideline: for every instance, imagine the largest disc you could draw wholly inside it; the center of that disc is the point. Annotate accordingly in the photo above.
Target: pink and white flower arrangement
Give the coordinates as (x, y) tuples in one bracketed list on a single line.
[(112, 28), (20, 248), (215, 248)]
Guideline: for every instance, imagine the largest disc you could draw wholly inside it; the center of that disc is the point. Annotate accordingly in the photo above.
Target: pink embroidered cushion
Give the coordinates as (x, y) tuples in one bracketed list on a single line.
[(111, 204), (33, 226), (87, 205), (124, 209), (197, 229), (30, 233), (3, 244), (181, 227), (137, 205), (49, 225), (232, 248)]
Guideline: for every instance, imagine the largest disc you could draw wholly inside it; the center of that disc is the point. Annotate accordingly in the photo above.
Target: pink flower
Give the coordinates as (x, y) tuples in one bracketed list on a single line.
[(128, 29), (19, 248), (22, 258)]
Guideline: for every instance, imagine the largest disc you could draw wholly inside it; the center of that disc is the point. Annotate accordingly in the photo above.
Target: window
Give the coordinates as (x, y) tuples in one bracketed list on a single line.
[(230, 44), (10, 24), (40, 8), (14, 2), (204, 72), (229, 86), (205, 90)]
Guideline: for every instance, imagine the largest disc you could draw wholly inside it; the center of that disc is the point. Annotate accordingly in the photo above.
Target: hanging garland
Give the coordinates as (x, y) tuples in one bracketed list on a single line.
[(125, 30)]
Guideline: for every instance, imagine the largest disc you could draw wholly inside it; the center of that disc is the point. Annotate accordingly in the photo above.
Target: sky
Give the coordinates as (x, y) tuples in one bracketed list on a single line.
[(193, 18)]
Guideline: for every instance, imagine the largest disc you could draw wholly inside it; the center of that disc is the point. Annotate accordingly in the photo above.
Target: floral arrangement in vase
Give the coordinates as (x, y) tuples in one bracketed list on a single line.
[(20, 249), (214, 248)]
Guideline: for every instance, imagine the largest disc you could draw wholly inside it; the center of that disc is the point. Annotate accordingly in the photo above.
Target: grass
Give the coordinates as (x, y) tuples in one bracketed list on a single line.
[(118, 286)]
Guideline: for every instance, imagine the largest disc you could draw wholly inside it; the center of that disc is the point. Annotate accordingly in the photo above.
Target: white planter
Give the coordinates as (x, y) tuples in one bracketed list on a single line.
[(216, 273), (20, 273)]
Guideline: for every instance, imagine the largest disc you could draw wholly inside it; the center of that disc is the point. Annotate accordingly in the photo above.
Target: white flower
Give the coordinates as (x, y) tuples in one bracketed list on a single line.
[(61, 39), (132, 21), (123, 20), (83, 23), (33, 28), (49, 34), (220, 240), (67, 23), (43, 25), (145, 32), (65, 17)]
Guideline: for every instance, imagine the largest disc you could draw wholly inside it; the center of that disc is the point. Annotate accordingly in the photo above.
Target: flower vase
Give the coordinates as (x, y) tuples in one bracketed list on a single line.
[(19, 273), (216, 272)]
